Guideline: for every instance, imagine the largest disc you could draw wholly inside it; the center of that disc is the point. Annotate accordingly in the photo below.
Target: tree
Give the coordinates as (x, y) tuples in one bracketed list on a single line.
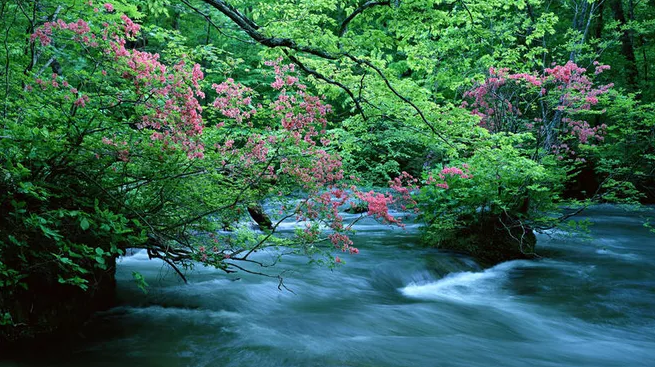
[(116, 151)]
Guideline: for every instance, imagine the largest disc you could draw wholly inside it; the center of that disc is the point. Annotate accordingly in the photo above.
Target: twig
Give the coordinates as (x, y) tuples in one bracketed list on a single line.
[(211, 22)]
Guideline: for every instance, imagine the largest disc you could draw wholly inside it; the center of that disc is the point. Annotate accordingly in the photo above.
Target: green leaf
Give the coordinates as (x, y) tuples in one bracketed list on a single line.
[(140, 281), (84, 224)]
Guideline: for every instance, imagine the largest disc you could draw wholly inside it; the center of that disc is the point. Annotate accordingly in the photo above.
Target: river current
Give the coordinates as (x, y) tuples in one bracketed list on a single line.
[(585, 303)]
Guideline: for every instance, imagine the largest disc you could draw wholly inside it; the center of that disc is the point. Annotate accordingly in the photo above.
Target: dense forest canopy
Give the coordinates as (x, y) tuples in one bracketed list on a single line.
[(164, 124)]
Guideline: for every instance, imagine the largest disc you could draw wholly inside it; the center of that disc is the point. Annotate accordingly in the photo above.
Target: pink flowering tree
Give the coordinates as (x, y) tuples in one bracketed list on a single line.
[(553, 106), (490, 199), (126, 148)]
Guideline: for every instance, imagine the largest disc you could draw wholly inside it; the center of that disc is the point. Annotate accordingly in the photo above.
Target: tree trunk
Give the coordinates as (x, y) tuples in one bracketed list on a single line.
[(641, 44), (627, 46), (598, 29)]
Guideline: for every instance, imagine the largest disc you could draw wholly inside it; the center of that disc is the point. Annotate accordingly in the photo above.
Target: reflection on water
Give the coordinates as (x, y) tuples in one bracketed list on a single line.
[(395, 304)]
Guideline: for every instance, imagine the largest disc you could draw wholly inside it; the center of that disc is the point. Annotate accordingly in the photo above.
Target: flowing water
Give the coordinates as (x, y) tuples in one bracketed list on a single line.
[(589, 303)]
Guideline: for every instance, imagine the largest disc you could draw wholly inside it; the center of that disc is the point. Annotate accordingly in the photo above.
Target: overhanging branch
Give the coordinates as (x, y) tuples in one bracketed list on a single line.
[(356, 12), (320, 76), (211, 22), (400, 96), (253, 30)]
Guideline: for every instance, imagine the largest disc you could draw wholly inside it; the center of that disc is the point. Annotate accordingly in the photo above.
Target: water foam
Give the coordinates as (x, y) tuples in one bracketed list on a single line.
[(464, 286)]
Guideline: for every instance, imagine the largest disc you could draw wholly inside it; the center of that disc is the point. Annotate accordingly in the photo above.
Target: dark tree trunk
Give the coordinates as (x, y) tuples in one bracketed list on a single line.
[(600, 23), (627, 46), (640, 44)]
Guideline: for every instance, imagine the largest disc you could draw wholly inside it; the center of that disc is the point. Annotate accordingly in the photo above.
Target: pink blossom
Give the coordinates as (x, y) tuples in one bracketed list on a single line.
[(81, 102), (131, 29)]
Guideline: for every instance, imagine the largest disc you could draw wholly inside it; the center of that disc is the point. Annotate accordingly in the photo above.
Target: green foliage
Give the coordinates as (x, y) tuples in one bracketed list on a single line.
[(504, 182), (5, 319), (627, 158), (140, 281)]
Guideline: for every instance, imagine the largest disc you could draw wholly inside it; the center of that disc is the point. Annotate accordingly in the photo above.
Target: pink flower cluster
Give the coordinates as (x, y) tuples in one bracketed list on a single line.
[(584, 132), (282, 79), (178, 120), (169, 96), (405, 185), (44, 33), (529, 78), (130, 28), (600, 68), (234, 100), (343, 242), (378, 205), (448, 172), (562, 91)]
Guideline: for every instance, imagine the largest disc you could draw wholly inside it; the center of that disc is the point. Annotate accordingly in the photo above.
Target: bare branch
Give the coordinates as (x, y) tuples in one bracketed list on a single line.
[(279, 277), (172, 265)]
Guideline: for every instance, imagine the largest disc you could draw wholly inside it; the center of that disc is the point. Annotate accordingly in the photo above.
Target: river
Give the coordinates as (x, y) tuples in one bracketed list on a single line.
[(587, 303)]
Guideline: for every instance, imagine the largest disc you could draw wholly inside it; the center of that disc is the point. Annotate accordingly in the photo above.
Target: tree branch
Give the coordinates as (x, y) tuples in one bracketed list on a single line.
[(366, 5), (320, 76), (211, 22), (400, 96), (252, 29)]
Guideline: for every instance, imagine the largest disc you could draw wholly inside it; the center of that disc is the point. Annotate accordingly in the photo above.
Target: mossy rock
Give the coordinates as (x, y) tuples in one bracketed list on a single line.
[(260, 217), (491, 242)]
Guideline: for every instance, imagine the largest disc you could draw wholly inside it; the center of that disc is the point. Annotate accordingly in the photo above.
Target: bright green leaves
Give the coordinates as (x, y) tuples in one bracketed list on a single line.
[(157, 7), (100, 257), (140, 281), (71, 272), (503, 178), (75, 281)]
